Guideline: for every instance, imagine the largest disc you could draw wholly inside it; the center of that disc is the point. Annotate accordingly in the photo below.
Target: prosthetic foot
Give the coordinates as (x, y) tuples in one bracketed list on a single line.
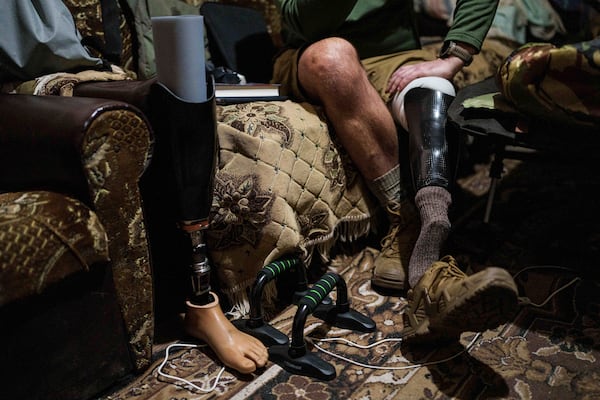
[(234, 348)]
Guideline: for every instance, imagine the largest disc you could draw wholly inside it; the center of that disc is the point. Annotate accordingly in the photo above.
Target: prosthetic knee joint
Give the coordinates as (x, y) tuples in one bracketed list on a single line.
[(421, 109)]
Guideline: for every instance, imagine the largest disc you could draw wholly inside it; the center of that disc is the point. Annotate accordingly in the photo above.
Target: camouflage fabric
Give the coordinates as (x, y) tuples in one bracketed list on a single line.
[(560, 84)]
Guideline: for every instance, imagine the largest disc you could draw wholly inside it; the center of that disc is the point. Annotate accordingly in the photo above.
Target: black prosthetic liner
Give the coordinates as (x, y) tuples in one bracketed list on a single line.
[(190, 132), (426, 112)]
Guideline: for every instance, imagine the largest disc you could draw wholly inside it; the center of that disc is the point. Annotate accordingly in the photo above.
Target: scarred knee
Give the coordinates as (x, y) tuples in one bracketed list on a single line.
[(327, 66)]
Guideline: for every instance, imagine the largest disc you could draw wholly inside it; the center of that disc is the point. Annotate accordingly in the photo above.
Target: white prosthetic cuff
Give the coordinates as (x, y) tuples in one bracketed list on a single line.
[(429, 82)]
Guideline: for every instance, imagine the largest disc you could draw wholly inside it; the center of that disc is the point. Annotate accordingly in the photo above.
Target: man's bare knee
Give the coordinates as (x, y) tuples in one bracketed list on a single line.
[(328, 65)]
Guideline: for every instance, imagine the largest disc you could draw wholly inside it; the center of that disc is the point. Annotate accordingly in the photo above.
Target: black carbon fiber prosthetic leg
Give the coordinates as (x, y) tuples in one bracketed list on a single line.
[(431, 162)]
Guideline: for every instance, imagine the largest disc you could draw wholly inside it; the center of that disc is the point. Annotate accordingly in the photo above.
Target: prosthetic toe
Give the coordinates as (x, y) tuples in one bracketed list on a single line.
[(392, 261), (446, 302)]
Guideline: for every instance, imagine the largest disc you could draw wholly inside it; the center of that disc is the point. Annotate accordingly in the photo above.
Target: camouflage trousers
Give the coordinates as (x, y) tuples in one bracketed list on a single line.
[(561, 84)]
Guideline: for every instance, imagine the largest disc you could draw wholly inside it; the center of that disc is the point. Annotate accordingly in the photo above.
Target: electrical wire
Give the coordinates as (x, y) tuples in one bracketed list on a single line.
[(177, 379), (369, 366), (527, 301)]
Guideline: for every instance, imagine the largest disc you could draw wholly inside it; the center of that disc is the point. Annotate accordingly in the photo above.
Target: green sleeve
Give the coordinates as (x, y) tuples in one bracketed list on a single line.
[(472, 20), (314, 19)]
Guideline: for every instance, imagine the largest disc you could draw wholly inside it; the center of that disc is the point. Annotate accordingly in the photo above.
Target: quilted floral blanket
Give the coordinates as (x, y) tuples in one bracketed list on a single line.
[(283, 187)]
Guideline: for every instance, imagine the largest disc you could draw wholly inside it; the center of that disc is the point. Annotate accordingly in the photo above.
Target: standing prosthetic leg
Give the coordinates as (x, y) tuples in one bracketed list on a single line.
[(189, 132)]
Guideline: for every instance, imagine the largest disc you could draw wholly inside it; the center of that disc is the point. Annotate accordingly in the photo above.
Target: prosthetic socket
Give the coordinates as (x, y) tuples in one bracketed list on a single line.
[(189, 132), (421, 109), (431, 162)]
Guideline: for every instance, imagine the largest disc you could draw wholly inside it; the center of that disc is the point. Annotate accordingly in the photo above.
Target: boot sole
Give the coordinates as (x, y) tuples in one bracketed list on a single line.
[(487, 306)]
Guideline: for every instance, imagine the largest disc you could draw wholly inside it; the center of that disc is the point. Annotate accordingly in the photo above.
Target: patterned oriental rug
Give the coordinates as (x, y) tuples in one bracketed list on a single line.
[(544, 230)]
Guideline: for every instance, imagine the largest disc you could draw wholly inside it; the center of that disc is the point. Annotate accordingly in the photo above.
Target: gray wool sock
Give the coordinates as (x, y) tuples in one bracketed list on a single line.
[(387, 187), (433, 203)]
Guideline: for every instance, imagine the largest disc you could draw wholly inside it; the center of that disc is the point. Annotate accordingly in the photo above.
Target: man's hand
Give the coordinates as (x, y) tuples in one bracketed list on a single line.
[(443, 68)]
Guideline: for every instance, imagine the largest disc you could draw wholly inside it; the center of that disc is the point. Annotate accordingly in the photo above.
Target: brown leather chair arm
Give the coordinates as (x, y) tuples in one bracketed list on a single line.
[(132, 92), (42, 139), (96, 150)]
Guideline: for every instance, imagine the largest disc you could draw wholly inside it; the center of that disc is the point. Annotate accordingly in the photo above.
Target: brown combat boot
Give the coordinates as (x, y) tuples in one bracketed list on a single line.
[(446, 302), (396, 247)]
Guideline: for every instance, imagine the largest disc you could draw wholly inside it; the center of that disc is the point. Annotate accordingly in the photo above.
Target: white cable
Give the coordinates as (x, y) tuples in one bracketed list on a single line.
[(527, 301), (182, 380), (360, 346), (188, 345), (542, 267), (353, 344)]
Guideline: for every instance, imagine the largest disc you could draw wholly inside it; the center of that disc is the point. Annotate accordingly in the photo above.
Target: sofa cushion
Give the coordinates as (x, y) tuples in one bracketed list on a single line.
[(45, 237)]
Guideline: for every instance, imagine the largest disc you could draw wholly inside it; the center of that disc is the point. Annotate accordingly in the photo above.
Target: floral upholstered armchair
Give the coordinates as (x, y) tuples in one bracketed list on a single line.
[(76, 299), (76, 289)]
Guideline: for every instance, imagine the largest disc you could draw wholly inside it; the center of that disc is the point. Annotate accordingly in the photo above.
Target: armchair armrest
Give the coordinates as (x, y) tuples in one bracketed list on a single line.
[(95, 150), (40, 142), (132, 92), (43, 138)]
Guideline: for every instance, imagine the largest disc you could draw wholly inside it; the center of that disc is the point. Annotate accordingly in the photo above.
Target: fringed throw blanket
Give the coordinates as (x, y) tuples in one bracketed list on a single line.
[(63, 83), (283, 187)]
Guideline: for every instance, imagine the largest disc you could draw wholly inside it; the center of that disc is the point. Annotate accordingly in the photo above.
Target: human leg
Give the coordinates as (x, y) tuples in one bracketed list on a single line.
[(392, 260), (423, 108), (443, 301), (331, 73), (397, 246)]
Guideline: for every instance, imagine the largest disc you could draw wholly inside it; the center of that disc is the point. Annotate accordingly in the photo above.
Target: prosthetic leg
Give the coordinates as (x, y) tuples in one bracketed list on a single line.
[(443, 302), (433, 163), (188, 132)]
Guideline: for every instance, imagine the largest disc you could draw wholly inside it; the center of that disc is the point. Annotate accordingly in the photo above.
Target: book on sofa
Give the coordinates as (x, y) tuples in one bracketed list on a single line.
[(227, 93)]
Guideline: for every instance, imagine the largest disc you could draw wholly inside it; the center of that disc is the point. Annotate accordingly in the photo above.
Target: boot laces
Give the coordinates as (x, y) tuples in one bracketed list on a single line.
[(448, 268), (390, 243)]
